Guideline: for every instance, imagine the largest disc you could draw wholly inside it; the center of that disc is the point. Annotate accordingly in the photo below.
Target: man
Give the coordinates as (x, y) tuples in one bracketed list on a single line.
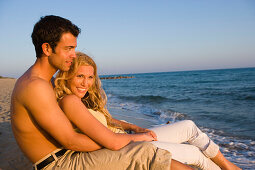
[(41, 128)]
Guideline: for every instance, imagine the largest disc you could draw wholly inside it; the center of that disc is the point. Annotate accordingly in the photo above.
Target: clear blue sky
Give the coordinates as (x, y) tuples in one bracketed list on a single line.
[(137, 36)]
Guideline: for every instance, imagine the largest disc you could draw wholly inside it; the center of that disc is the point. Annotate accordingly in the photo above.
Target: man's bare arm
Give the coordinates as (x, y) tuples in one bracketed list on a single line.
[(39, 98)]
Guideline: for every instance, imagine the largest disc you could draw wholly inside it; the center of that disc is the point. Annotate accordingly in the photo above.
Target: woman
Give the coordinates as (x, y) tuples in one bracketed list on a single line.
[(81, 87)]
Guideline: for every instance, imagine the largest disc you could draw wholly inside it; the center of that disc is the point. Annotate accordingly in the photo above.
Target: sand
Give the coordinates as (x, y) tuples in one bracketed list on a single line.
[(11, 156)]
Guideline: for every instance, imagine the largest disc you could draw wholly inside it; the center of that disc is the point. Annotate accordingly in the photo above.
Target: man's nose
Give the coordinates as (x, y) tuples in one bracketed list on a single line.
[(73, 55)]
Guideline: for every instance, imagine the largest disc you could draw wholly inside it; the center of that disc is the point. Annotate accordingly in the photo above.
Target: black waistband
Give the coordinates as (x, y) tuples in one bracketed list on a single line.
[(50, 159)]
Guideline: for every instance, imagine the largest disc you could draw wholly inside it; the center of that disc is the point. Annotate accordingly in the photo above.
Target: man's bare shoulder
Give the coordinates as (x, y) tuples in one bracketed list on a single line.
[(27, 89), (29, 84), (36, 83)]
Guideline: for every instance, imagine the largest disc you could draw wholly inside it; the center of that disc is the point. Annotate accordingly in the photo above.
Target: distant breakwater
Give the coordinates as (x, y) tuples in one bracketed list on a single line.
[(2, 77), (117, 77)]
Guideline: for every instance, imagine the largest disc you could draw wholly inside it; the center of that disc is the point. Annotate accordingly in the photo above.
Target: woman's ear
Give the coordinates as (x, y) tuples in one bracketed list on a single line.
[(46, 48)]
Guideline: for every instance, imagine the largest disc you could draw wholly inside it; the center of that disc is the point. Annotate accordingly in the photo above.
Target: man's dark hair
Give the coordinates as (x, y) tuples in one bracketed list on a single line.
[(49, 29)]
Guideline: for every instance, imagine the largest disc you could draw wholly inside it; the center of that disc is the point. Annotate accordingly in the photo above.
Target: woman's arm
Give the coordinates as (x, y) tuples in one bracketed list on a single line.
[(125, 125), (79, 115), (133, 127)]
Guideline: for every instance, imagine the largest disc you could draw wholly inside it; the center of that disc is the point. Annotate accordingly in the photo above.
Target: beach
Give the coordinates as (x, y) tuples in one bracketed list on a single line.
[(220, 102), (11, 156)]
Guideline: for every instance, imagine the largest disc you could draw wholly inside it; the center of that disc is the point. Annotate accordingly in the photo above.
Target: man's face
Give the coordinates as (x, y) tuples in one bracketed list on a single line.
[(64, 52)]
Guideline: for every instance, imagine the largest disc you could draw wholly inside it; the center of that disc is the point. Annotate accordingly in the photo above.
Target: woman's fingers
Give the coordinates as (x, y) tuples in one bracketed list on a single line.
[(153, 134)]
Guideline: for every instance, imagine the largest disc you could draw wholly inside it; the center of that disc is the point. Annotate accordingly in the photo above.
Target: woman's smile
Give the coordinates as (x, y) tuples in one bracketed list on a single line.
[(82, 81)]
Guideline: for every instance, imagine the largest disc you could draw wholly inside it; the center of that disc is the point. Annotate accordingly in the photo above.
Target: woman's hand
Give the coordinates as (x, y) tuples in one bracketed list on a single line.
[(135, 128), (146, 136), (138, 129)]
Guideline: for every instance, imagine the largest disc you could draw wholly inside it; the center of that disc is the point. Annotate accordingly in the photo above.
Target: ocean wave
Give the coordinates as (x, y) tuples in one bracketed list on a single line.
[(234, 95), (161, 115), (144, 99), (249, 98), (239, 151), (216, 81), (170, 116)]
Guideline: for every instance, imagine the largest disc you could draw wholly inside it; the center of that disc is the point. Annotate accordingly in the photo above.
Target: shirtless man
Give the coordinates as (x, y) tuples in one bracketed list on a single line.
[(40, 127)]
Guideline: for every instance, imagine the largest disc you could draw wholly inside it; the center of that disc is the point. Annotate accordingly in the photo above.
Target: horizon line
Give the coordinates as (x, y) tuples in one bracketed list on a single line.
[(179, 71), (1, 76)]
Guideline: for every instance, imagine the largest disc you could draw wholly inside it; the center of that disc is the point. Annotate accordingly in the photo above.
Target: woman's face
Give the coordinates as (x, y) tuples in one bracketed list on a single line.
[(82, 81)]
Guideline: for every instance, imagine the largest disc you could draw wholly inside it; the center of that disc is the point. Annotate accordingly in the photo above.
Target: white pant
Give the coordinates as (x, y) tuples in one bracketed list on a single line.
[(199, 150)]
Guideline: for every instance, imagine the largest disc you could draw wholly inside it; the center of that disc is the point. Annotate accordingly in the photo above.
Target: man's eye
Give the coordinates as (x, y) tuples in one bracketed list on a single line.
[(79, 75)]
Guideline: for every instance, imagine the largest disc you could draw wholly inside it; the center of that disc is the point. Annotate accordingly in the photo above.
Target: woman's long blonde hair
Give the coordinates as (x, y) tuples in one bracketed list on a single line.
[(95, 98)]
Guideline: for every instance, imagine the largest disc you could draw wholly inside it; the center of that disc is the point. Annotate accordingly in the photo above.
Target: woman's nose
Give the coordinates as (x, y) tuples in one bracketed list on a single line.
[(84, 82)]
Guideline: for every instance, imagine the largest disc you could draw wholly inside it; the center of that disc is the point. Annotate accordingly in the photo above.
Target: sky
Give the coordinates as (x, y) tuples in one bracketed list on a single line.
[(137, 36)]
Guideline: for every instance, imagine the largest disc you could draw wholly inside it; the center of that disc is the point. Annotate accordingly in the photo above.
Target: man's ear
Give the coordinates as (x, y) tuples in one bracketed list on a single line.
[(46, 48)]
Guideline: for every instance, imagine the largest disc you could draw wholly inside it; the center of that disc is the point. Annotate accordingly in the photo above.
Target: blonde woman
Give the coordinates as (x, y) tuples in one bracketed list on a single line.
[(80, 88)]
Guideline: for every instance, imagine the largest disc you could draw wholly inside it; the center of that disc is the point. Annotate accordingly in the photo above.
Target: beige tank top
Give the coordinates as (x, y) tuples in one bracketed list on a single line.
[(101, 118)]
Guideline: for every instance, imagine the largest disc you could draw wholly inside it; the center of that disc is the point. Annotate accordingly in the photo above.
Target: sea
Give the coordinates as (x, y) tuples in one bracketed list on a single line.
[(221, 103)]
